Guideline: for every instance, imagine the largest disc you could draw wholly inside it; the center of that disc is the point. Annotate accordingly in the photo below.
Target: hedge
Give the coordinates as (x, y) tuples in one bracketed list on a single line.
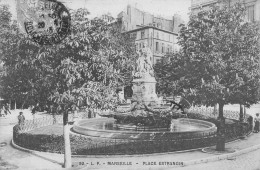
[(82, 145)]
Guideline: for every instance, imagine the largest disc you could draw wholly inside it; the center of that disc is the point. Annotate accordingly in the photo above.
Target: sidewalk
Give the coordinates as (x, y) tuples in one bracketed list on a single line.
[(42, 160), (12, 158)]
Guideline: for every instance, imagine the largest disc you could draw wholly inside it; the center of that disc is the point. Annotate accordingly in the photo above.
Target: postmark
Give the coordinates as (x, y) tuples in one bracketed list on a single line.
[(47, 22)]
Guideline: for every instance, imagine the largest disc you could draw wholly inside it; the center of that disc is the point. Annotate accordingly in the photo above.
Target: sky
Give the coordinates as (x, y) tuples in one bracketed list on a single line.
[(164, 8)]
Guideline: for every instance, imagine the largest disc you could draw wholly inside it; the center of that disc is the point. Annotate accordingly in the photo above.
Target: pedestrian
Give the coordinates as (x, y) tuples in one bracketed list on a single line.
[(7, 108), (35, 108), (59, 109), (2, 111), (21, 119), (257, 120), (89, 114)]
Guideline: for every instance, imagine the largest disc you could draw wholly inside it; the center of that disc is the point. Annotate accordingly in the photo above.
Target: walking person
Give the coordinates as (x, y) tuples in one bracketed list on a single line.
[(2, 111), (89, 113), (34, 110), (7, 108), (257, 120), (21, 120)]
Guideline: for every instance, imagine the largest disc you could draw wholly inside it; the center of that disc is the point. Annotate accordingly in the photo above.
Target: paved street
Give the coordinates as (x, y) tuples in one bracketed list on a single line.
[(249, 161)]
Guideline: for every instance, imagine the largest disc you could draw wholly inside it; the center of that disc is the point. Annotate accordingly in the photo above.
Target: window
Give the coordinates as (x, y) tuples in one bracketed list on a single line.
[(133, 35), (136, 46), (162, 47), (157, 34), (250, 13), (142, 34), (169, 37), (157, 46), (140, 45), (162, 36)]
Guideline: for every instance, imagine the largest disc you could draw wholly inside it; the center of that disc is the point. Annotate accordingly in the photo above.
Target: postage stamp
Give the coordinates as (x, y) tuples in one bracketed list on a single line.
[(47, 22)]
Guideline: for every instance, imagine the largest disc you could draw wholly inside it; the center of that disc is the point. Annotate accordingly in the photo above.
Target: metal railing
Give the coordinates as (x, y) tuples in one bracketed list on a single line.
[(214, 113)]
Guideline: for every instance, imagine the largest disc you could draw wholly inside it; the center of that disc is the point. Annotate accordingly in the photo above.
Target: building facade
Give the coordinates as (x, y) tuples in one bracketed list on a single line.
[(160, 34), (160, 41), (252, 6)]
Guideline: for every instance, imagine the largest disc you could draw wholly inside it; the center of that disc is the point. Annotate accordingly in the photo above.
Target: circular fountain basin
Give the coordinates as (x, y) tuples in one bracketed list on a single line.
[(107, 128)]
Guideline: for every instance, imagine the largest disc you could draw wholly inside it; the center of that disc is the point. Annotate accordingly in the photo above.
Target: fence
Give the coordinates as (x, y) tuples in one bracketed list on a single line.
[(210, 112), (47, 120), (36, 123)]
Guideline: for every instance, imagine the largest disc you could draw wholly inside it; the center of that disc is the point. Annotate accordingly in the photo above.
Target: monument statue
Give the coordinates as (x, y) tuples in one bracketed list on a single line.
[(144, 66), (145, 104)]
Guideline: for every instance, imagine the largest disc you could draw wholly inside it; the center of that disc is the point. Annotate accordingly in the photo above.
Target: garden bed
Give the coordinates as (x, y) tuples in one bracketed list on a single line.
[(50, 139)]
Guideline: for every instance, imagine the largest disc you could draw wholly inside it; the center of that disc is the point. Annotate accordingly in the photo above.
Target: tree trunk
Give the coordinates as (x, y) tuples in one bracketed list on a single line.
[(14, 104), (241, 113), (66, 134), (221, 129)]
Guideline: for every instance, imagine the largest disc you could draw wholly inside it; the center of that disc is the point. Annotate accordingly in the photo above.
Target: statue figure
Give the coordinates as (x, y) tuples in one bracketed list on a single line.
[(144, 63), (140, 69)]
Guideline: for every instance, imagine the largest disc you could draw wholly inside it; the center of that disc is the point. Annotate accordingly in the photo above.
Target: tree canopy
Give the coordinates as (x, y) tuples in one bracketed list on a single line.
[(85, 67), (219, 59)]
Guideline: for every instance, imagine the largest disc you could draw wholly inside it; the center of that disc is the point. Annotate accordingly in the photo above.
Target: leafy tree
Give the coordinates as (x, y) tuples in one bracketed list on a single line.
[(12, 86), (169, 74), (86, 67), (219, 61)]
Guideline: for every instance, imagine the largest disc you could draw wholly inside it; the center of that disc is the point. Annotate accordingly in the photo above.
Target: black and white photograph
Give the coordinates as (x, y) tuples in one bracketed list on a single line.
[(129, 84)]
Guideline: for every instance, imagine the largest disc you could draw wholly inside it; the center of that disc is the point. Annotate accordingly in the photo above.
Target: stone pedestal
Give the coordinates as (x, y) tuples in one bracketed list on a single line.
[(144, 91)]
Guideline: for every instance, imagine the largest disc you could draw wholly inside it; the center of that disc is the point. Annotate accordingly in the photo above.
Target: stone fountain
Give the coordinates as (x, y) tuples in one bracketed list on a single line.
[(145, 113), (145, 102)]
